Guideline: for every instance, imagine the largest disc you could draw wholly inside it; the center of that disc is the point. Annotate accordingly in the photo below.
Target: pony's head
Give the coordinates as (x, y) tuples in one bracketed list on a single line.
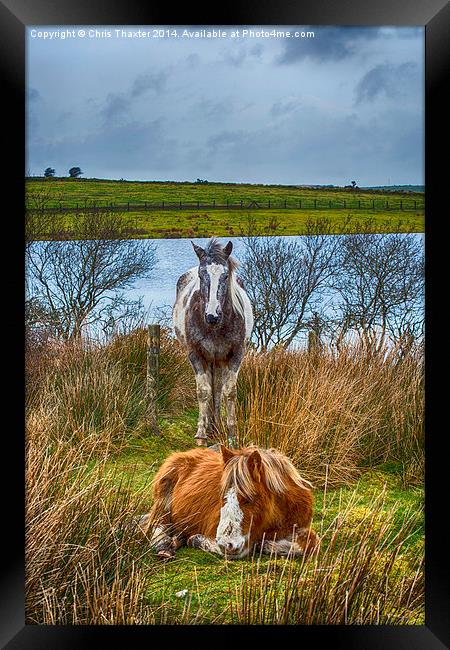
[(214, 273), (258, 487)]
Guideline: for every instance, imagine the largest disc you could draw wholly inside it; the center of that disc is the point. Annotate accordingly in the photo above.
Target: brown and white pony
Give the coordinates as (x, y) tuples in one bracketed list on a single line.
[(212, 319), (230, 503)]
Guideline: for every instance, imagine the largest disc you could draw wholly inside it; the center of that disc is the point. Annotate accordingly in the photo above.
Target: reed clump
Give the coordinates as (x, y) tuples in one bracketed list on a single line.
[(334, 413)]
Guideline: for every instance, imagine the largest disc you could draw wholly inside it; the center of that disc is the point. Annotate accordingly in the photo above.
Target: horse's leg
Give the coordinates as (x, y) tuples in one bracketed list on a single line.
[(204, 544), (217, 385), (229, 392), (204, 395), (303, 541)]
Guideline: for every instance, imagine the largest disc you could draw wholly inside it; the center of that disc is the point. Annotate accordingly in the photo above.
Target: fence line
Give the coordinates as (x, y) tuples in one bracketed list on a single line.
[(299, 204)]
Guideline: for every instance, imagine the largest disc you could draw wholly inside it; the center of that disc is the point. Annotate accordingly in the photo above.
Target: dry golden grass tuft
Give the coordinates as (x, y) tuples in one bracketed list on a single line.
[(333, 413)]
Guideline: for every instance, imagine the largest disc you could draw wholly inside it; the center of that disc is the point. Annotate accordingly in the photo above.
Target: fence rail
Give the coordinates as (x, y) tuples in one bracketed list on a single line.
[(244, 204)]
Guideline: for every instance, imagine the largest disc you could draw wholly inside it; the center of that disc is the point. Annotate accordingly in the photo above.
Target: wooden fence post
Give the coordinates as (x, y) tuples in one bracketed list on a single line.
[(153, 348)]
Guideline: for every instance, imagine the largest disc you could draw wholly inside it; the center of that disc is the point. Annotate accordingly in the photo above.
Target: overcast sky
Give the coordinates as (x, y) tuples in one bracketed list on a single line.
[(345, 105)]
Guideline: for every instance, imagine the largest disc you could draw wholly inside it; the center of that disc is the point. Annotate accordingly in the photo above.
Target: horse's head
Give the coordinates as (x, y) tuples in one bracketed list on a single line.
[(213, 272), (247, 502)]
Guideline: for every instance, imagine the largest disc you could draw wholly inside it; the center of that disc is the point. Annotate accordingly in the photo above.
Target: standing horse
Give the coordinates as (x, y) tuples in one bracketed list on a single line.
[(212, 319), (229, 503)]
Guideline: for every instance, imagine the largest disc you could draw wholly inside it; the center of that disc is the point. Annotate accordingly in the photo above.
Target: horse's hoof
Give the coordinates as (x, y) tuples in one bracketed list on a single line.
[(194, 541), (165, 555)]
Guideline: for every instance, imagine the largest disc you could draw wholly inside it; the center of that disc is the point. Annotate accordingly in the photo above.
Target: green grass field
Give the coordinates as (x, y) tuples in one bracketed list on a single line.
[(205, 222)]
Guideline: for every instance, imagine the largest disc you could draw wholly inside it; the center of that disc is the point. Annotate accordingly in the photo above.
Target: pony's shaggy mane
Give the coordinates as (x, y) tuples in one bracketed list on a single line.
[(215, 255), (277, 469)]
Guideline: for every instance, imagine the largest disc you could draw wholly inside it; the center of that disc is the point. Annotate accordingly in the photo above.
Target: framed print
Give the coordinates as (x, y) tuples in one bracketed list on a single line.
[(229, 412)]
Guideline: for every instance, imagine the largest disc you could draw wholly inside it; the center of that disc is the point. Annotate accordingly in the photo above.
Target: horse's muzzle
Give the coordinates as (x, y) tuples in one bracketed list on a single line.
[(232, 552), (211, 319)]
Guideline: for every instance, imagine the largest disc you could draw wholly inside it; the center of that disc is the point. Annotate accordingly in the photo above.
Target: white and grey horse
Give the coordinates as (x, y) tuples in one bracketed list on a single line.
[(212, 319)]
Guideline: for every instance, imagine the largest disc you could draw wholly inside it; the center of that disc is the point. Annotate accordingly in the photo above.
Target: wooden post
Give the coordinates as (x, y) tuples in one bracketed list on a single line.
[(153, 348)]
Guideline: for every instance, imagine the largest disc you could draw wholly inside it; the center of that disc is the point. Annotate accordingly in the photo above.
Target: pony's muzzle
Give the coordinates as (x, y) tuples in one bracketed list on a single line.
[(231, 550), (212, 319)]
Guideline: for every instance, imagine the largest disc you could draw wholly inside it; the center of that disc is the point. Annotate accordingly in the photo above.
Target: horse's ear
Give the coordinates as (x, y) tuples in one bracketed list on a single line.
[(198, 251), (227, 454), (228, 248), (254, 465)]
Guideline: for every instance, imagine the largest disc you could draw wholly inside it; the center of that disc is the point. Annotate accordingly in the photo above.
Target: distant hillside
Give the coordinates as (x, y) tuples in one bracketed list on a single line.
[(396, 188)]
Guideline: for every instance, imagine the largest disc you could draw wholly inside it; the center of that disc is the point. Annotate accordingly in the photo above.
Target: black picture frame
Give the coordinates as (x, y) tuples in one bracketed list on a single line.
[(15, 16)]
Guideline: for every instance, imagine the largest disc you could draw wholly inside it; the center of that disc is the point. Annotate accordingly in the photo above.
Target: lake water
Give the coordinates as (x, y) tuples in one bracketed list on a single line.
[(175, 256)]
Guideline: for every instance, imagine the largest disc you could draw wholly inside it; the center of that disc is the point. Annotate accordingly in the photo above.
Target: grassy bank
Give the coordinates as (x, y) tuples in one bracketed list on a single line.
[(325, 203), (351, 422)]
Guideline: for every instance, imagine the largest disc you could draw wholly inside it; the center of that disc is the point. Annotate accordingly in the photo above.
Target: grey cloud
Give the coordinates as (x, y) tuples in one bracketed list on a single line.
[(284, 108), (149, 81), (211, 109), (328, 44), (116, 106), (391, 80), (240, 55), (226, 138), (33, 95), (192, 60), (114, 148)]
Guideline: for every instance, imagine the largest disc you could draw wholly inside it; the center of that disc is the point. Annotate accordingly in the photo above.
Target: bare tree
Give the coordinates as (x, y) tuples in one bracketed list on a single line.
[(380, 282), (286, 281), (79, 282)]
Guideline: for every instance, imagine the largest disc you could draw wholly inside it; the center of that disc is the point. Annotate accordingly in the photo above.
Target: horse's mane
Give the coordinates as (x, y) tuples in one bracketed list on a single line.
[(277, 470), (215, 254)]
